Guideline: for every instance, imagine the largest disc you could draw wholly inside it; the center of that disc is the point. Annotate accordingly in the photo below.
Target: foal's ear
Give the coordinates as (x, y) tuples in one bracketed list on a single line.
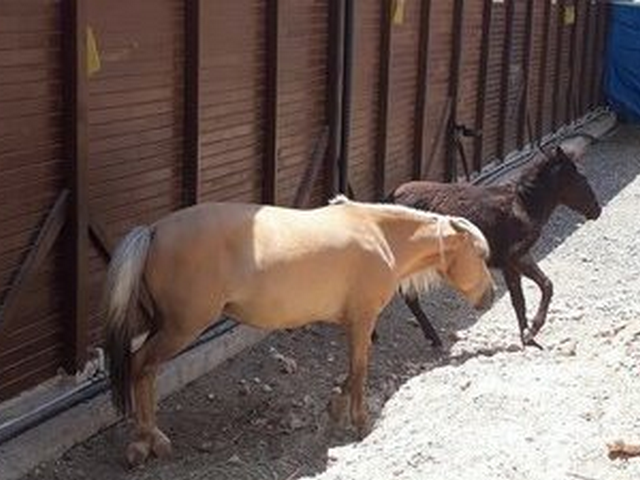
[(573, 149)]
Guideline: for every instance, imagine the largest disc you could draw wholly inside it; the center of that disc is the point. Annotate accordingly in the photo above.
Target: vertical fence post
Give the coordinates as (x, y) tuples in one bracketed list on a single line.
[(542, 77), (582, 98), (570, 94), (74, 19), (558, 65), (270, 159), (454, 82), (383, 97), (191, 173), (349, 25), (504, 79), (482, 84), (334, 95), (421, 93), (526, 66)]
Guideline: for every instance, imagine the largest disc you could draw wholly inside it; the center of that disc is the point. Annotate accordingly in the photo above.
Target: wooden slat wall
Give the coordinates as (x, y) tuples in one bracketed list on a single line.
[(364, 132), (302, 91), (137, 147), (32, 164), (493, 90), (469, 67), (440, 40), (516, 68), (134, 120), (535, 65), (403, 77), (232, 106)]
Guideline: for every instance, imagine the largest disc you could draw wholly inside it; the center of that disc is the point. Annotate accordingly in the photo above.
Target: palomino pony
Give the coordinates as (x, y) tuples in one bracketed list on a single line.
[(512, 217), (275, 268)]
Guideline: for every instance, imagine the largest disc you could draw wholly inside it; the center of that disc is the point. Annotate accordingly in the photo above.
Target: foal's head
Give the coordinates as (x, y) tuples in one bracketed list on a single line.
[(465, 263), (574, 189)]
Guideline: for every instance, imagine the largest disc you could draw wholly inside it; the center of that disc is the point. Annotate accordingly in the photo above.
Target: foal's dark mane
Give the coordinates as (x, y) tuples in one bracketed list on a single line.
[(536, 187)]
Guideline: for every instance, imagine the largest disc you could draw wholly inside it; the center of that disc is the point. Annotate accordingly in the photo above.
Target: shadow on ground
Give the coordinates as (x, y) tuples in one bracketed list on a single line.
[(250, 419)]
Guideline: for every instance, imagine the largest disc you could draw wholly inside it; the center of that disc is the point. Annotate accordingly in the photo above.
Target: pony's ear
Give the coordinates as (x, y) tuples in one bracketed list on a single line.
[(574, 148)]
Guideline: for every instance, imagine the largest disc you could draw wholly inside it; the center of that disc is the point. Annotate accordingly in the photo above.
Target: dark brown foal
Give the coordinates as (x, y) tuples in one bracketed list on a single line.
[(512, 217)]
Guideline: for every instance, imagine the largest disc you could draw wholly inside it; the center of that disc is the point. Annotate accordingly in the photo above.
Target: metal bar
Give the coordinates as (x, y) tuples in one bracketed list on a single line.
[(383, 97), (526, 67), (542, 78), (601, 30), (421, 94), (343, 167), (270, 159), (313, 169), (47, 236), (75, 96), (504, 78), (334, 94), (482, 84), (558, 64), (572, 60), (582, 98), (191, 174)]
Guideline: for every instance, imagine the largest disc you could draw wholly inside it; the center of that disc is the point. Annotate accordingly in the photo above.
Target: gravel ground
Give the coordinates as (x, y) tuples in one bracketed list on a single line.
[(482, 409), (495, 412)]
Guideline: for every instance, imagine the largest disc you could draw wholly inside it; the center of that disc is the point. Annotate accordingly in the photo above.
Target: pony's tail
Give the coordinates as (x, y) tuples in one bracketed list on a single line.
[(122, 291)]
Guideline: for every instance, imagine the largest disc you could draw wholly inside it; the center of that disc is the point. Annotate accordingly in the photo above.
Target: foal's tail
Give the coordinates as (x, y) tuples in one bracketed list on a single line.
[(122, 292)]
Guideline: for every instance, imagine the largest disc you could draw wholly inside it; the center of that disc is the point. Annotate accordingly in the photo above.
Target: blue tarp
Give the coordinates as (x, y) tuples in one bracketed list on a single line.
[(622, 71)]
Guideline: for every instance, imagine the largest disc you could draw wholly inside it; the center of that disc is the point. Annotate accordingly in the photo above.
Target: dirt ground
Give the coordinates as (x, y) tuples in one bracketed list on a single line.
[(261, 415)]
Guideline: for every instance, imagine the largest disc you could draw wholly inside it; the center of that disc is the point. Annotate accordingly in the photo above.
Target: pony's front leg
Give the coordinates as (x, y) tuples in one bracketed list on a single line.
[(359, 338), (530, 269), (351, 399)]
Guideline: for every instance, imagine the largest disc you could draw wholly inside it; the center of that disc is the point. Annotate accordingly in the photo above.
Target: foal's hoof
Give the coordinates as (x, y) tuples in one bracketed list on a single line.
[(161, 445), (137, 453), (529, 341)]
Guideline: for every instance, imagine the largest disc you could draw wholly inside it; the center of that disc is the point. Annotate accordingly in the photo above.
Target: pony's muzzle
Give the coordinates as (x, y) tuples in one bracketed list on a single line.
[(594, 213), (487, 299)]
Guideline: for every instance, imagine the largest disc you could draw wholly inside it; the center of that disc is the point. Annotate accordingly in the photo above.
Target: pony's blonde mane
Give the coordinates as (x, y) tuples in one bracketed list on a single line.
[(389, 207)]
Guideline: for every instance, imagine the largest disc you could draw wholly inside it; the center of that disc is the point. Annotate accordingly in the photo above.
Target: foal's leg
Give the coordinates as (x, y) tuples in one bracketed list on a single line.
[(530, 269), (413, 302), (513, 280)]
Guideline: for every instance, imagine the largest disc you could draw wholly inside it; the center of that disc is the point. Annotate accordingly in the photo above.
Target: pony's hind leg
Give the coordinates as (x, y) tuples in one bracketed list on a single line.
[(162, 346)]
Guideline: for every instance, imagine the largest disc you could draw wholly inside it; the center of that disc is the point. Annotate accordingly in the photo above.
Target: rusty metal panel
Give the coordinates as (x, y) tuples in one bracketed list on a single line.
[(364, 113), (135, 120), (32, 165), (438, 104), (302, 92), (232, 92)]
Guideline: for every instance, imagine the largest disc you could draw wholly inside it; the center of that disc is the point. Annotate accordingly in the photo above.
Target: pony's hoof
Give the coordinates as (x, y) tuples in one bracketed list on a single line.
[(161, 445), (137, 453), (362, 426), (338, 408)]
